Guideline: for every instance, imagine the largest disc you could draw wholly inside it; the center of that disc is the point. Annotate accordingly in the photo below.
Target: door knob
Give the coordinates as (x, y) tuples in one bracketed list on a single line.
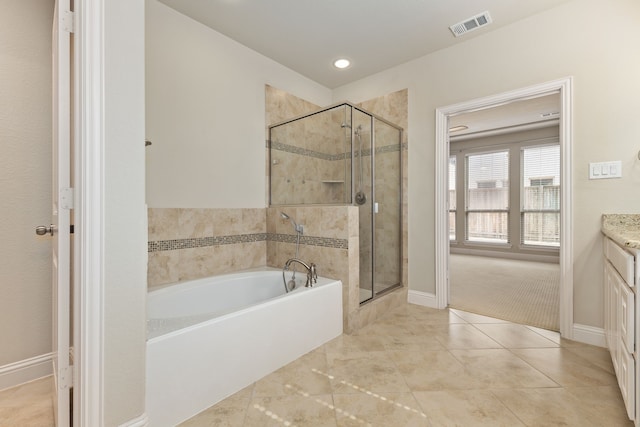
[(41, 230)]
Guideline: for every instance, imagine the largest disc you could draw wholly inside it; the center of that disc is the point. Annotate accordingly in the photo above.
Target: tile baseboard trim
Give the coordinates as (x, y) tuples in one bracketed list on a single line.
[(422, 298), (589, 335), (24, 371)]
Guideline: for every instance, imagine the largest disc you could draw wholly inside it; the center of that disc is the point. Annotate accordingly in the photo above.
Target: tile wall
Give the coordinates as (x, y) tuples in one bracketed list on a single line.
[(330, 240), (187, 244), (394, 107)]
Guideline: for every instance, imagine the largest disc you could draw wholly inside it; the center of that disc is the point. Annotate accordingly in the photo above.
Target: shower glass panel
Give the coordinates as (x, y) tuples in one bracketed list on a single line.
[(346, 155)]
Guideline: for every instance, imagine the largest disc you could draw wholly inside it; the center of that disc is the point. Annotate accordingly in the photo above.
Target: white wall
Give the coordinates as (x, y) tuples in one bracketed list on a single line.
[(125, 215), (594, 41), (25, 178), (205, 114)]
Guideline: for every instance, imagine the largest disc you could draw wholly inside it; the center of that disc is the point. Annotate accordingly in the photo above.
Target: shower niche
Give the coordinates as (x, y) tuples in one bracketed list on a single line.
[(345, 155)]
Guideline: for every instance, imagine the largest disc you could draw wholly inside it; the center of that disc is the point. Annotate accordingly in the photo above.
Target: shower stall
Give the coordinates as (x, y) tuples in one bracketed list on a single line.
[(346, 155)]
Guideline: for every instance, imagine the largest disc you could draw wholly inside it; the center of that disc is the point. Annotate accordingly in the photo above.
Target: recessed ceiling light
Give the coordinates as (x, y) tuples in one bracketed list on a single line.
[(458, 128), (341, 63)]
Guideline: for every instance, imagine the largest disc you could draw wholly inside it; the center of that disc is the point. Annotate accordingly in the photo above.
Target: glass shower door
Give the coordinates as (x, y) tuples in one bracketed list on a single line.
[(387, 240), (378, 175)]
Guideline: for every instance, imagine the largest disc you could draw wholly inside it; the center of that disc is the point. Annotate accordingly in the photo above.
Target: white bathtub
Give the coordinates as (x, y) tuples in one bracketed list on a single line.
[(211, 337)]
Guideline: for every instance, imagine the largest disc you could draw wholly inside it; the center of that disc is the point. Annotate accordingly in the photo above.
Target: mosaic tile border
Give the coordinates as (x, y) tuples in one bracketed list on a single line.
[(201, 242), (279, 146), (326, 242)]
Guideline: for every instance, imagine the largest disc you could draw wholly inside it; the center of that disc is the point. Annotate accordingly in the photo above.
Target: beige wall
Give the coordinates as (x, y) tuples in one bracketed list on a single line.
[(25, 178), (125, 215), (590, 40), (205, 114)]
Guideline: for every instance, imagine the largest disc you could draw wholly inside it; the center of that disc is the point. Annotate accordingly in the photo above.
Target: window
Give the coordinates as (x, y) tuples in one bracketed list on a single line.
[(487, 197), (536, 182), (505, 197), (540, 201)]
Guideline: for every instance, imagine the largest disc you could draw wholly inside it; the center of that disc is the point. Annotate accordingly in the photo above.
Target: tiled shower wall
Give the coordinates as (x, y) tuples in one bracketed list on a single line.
[(280, 106), (189, 244)]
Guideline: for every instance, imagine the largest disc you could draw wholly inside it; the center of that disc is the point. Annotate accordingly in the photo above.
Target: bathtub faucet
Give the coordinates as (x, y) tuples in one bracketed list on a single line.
[(312, 272)]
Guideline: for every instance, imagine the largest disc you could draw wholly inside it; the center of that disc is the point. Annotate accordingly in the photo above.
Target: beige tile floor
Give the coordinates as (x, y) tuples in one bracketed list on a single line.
[(414, 367), (423, 367)]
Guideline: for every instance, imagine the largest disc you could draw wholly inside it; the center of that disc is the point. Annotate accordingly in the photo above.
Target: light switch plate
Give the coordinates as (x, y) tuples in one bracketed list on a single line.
[(605, 170)]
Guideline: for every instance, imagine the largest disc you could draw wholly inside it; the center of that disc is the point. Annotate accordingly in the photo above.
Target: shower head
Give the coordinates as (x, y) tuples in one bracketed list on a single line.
[(298, 228)]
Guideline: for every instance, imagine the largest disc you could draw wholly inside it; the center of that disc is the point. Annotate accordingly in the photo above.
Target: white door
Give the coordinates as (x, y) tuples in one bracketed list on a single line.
[(62, 199)]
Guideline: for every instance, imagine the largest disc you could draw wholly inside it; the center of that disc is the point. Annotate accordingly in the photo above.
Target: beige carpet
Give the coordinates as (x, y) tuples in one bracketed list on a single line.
[(519, 291)]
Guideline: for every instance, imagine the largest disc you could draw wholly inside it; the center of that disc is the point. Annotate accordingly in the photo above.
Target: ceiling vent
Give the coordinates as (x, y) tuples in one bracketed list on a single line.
[(471, 24)]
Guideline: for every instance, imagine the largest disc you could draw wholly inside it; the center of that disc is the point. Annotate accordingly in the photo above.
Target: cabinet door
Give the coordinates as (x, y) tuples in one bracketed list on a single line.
[(626, 381), (614, 319), (627, 315)]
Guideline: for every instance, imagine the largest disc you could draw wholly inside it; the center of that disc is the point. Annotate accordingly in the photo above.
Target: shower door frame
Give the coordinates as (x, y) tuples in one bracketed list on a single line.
[(374, 294)]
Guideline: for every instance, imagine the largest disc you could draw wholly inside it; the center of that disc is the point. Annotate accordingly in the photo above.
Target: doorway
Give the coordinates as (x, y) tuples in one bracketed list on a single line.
[(504, 212), (444, 115)]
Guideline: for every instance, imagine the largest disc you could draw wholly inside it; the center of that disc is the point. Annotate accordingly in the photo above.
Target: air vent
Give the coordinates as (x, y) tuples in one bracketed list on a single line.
[(471, 24)]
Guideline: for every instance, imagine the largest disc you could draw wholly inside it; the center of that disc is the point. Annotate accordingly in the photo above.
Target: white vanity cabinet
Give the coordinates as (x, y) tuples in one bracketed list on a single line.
[(622, 330)]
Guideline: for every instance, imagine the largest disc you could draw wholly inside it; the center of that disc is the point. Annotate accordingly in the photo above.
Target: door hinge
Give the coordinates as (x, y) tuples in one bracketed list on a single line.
[(67, 21), (65, 377), (66, 198)]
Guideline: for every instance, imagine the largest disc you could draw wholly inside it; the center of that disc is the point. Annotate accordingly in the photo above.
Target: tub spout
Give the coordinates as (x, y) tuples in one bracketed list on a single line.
[(312, 272)]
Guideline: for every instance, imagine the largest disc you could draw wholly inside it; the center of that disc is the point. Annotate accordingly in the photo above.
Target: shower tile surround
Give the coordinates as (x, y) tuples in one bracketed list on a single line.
[(281, 106)]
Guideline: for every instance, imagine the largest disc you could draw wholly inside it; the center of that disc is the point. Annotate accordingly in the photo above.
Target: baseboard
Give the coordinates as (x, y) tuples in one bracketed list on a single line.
[(589, 335), (26, 370), (141, 421), (422, 298), (553, 259)]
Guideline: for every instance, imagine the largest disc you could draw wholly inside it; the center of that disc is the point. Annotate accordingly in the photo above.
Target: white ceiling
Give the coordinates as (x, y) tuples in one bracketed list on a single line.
[(308, 35), (505, 118)]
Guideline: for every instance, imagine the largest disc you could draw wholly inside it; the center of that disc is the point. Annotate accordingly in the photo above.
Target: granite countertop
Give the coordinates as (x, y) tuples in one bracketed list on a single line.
[(624, 229)]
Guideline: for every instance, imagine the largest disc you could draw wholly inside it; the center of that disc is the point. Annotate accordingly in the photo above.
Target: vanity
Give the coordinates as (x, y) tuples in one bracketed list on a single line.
[(621, 246)]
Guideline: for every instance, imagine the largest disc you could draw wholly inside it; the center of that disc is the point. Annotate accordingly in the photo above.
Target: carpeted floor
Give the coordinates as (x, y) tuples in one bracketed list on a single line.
[(519, 291)]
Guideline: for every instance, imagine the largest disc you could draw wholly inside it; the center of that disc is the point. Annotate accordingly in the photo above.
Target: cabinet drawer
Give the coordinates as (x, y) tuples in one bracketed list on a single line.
[(622, 260)]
